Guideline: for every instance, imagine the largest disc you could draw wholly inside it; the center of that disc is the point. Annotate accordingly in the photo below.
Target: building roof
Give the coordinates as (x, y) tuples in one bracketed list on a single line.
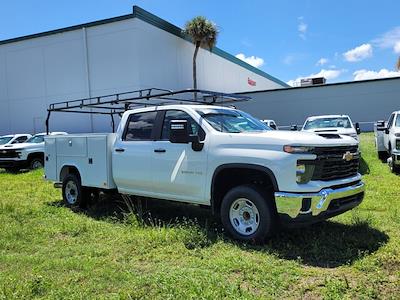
[(156, 21)]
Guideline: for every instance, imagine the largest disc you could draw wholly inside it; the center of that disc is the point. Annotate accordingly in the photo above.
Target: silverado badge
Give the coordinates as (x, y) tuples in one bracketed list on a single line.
[(348, 156)]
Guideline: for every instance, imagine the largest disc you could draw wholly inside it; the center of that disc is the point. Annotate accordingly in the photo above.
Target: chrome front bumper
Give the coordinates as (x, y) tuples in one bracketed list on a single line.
[(326, 203)]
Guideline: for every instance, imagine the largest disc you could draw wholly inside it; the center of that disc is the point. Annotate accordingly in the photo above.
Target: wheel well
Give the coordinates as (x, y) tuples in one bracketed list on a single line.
[(66, 170), (227, 178), (36, 155)]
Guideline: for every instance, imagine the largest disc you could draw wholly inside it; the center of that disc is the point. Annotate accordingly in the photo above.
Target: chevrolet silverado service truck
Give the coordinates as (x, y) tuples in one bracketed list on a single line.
[(253, 177), (387, 140)]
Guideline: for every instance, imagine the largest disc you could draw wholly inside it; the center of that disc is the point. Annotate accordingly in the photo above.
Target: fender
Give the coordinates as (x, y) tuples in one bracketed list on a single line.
[(241, 166)]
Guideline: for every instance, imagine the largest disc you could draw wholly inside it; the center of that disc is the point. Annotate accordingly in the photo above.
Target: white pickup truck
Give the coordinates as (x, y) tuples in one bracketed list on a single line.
[(254, 178), (332, 124), (387, 140), (28, 154)]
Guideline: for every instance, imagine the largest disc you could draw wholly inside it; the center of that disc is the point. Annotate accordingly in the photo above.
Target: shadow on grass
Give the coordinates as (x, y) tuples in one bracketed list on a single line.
[(327, 244), (363, 168)]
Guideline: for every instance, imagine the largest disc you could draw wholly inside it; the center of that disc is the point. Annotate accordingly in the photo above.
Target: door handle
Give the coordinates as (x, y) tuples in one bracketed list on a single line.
[(160, 150), (119, 150)]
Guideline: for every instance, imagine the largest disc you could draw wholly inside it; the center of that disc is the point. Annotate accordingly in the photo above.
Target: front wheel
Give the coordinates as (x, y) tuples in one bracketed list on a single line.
[(248, 214), (393, 167), (36, 163), (72, 191)]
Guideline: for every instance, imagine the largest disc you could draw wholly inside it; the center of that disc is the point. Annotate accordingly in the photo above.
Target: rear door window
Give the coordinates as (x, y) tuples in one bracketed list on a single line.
[(140, 126)]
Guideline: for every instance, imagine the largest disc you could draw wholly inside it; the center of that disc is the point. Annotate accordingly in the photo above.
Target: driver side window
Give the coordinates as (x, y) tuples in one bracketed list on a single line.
[(194, 128), (390, 121)]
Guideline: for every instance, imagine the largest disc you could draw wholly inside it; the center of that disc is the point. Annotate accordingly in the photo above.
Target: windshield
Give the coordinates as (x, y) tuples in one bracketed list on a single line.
[(232, 121), (397, 121), (5, 139), (341, 122), (36, 139)]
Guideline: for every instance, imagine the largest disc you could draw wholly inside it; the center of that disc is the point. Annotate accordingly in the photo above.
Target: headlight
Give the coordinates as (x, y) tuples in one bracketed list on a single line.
[(397, 134), (298, 149), (19, 154), (304, 172)]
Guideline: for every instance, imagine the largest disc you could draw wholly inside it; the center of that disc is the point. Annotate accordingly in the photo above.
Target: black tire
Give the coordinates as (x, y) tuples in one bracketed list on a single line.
[(382, 155), (263, 202), (393, 167), (73, 193), (36, 163)]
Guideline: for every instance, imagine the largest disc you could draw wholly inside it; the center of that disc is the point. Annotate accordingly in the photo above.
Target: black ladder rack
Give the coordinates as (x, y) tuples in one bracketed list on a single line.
[(116, 104)]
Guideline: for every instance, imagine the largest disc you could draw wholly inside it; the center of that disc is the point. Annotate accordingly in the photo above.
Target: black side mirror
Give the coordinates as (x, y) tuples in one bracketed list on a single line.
[(293, 128), (179, 132), (358, 129), (380, 124), (387, 130)]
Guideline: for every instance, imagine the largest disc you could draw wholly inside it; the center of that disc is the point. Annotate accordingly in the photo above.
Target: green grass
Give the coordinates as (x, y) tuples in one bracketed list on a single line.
[(49, 251)]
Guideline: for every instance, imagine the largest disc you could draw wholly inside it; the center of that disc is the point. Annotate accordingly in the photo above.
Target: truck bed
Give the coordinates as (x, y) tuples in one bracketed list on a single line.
[(89, 153)]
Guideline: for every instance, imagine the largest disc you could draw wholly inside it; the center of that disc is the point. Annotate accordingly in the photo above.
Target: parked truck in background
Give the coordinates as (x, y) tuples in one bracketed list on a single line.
[(255, 179), (26, 155), (332, 124), (387, 140)]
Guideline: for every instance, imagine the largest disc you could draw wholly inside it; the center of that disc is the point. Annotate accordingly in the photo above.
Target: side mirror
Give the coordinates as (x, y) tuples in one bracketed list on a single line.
[(387, 130), (179, 132), (293, 128), (358, 129), (380, 124), (273, 126)]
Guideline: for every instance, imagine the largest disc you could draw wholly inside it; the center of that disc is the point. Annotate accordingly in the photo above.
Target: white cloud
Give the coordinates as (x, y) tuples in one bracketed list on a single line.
[(251, 60), (396, 47), (358, 53), (322, 61), (389, 39), (302, 28), (368, 74), (328, 74)]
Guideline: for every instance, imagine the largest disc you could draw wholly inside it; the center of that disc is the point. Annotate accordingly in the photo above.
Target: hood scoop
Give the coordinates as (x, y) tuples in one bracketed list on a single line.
[(326, 130), (330, 135)]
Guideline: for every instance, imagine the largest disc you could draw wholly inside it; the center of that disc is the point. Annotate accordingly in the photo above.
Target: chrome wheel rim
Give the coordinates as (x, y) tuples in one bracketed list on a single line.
[(244, 216), (71, 192), (37, 164)]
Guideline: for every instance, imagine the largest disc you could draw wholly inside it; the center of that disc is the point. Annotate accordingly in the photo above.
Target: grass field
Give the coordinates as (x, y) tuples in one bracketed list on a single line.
[(49, 251)]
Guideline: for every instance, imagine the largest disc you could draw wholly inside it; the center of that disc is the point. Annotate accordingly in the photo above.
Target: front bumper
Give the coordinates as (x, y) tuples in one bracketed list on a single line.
[(13, 163), (313, 207)]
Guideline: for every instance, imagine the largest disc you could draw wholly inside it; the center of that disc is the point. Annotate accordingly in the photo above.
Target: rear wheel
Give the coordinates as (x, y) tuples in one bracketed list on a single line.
[(72, 191), (382, 155), (247, 213)]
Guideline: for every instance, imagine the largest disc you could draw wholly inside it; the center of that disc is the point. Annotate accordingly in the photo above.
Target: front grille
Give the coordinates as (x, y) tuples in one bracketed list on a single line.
[(8, 154), (330, 164)]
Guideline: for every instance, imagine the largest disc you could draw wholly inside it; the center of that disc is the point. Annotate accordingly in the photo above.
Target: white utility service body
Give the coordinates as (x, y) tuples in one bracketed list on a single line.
[(224, 163)]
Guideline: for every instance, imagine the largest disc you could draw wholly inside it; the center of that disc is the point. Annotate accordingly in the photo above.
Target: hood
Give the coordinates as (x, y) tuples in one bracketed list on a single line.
[(300, 138), (337, 130), (21, 146)]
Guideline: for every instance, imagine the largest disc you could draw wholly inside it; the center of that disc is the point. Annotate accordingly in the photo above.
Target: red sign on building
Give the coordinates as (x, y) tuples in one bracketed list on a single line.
[(251, 82)]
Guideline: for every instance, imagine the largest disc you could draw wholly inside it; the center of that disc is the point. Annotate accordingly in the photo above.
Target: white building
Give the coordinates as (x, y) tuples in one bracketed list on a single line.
[(120, 54)]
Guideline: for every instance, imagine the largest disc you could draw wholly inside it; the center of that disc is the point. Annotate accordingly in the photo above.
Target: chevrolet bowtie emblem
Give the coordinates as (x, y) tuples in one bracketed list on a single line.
[(348, 156)]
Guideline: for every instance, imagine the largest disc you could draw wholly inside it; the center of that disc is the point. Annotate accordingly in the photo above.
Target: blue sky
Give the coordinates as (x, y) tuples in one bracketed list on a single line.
[(341, 40)]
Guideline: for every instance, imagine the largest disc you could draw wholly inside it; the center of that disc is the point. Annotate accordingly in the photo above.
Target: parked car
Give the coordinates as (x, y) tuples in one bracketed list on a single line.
[(253, 177), (29, 154), (13, 139), (332, 124), (270, 123), (387, 140)]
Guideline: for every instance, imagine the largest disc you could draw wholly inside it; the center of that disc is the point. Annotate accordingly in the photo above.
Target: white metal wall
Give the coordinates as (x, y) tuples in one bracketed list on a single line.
[(365, 102), (114, 57)]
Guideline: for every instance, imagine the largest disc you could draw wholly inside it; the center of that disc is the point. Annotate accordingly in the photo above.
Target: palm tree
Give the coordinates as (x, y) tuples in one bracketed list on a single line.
[(203, 33)]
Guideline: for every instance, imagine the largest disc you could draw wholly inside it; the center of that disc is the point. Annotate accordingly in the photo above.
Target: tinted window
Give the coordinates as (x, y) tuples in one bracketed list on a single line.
[(21, 139), (390, 121), (194, 128), (140, 126), (232, 121), (36, 139)]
